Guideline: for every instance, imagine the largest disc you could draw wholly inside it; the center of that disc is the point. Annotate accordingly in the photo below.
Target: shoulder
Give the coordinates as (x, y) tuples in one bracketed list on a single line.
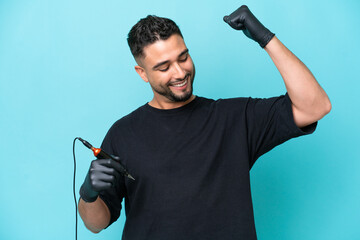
[(233, 101), (120, 130), (249, 102), (240, 106), (224, 101), (124, 122), (231, 105)]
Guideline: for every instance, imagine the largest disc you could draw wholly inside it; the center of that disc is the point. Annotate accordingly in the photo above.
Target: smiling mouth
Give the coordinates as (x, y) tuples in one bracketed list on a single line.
[(181, 83)]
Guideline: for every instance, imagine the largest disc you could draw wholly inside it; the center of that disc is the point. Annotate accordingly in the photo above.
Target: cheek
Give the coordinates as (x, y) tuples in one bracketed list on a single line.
[(161, 78), (189, 66)]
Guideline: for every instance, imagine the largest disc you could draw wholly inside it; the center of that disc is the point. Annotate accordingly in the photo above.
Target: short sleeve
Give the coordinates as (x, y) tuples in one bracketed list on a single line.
[(112, 197), (270, 122)]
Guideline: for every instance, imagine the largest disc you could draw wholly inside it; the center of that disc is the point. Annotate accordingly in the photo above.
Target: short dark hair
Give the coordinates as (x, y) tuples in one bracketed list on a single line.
[(149, 30)]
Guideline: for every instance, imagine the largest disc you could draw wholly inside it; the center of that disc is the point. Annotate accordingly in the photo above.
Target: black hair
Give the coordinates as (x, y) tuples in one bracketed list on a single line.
[(149, 30)]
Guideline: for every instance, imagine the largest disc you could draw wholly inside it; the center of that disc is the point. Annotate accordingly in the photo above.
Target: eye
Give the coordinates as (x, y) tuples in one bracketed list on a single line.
[(164, 69), (183, 58)]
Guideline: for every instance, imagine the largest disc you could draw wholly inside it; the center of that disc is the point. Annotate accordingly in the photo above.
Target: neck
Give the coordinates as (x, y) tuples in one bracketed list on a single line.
[(168, 104)]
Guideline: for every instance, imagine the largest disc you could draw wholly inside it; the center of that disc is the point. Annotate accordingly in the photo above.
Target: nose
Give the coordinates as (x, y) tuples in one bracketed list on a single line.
[(178, 72)]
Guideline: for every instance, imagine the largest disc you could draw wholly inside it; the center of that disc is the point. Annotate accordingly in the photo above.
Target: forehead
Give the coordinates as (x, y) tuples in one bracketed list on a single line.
[(163, 50)]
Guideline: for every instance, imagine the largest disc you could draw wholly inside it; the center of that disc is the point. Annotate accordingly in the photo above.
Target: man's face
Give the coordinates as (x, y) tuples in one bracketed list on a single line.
[(169, 69)]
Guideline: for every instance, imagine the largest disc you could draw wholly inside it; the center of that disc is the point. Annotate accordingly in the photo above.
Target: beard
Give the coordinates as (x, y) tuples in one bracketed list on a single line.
[(166, 91)]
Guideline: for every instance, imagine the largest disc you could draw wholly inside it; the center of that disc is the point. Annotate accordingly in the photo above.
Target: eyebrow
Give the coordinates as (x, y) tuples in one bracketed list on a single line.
[(164, 62)]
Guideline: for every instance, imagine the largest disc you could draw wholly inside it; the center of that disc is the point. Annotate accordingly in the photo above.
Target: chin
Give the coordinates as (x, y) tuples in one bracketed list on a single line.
[(183, 98)]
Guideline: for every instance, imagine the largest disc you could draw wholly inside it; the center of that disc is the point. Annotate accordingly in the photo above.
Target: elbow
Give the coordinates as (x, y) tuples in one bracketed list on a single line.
[(321, 106), (327, 107), (323, 110), (320, 110), (93, 229)]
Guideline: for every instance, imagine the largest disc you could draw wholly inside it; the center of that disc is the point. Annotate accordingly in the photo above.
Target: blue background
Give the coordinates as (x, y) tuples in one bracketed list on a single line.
[(66, 71)]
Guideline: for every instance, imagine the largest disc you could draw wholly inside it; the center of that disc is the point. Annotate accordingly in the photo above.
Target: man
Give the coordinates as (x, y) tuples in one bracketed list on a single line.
[(191, 155)]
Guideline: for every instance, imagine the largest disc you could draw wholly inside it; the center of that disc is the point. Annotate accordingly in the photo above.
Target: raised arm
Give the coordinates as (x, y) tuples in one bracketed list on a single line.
[(309, 101)]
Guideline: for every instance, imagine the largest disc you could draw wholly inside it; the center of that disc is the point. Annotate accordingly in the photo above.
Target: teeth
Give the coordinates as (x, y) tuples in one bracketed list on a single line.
[(181, 84)]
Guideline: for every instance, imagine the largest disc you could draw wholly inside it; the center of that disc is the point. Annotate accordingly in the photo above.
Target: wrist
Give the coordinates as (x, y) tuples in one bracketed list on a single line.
[(266, 39), (88, 195)]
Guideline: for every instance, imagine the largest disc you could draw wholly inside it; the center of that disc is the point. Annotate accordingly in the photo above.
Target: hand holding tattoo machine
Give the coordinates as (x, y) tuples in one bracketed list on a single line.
[(101, 154)]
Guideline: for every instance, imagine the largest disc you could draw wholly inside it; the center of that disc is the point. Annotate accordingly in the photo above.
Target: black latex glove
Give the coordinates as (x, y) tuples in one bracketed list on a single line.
[(243, 19), (102, 175)]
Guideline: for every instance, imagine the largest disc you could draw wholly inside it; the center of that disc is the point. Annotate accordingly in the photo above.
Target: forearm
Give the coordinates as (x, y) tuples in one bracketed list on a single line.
[(96, 215), (308, 98)]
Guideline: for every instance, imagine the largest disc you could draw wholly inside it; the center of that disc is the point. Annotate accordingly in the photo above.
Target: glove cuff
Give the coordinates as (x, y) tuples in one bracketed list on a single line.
[(86, 197), (266, 39), (84, 194)]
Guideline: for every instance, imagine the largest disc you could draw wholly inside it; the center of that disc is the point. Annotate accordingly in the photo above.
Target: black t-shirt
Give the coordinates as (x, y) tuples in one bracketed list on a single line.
[(191, 166)]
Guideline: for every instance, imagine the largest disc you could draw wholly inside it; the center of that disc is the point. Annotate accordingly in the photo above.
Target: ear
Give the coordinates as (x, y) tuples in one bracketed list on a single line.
[(142, 73)]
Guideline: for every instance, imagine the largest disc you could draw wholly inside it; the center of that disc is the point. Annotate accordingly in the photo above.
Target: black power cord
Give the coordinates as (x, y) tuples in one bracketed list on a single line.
[(76, 209)]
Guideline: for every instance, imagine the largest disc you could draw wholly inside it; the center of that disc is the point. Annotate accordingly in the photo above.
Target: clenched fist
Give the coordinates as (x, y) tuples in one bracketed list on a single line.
[(243, 19)]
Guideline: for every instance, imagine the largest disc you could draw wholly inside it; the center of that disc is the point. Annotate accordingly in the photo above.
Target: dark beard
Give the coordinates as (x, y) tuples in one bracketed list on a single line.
[(183, 98)]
